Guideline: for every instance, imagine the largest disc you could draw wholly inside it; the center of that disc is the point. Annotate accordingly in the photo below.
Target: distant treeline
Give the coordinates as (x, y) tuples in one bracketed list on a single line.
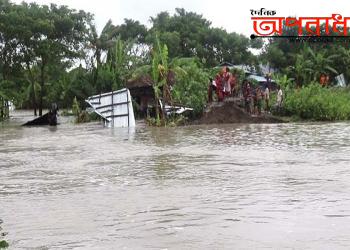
[(51, 53)]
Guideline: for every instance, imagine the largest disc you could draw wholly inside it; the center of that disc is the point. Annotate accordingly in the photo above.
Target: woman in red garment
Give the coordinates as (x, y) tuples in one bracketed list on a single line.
[(219, 87), (233, 82)]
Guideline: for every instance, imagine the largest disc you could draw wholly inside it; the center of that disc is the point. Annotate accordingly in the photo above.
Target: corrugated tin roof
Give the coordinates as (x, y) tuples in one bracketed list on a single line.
[(258, 78)]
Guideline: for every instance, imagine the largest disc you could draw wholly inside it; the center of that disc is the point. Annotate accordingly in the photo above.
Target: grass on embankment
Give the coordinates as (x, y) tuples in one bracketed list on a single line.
[(316, 103)]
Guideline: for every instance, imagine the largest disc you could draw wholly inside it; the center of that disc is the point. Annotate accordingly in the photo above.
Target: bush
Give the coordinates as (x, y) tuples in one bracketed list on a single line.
[(191, 88), (82, 116), (3, 244), (314, 102), (170, 121)]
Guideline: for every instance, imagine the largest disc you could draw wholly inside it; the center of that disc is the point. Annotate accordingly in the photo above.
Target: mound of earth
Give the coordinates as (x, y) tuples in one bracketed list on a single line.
[(229, 112)]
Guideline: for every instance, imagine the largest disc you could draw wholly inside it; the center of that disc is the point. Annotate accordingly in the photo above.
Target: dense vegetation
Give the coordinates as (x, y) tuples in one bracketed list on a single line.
[(313, 102), (51, 53), (299, 67), (303, 62)]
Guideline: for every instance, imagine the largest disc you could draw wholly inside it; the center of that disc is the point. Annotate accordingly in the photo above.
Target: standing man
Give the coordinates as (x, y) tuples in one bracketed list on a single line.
[(279, 98), (259, 97), (248, 98), (267, 98), (211, 89)]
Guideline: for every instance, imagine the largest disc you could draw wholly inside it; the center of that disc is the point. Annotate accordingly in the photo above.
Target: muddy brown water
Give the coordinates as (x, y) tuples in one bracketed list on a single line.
[(243, 186)]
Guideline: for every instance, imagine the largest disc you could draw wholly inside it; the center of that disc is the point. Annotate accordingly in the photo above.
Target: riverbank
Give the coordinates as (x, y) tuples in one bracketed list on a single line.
[(230, 112)]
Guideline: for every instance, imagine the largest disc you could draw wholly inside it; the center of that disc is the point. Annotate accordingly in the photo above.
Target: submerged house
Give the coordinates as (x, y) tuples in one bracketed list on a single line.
[(141, 90)]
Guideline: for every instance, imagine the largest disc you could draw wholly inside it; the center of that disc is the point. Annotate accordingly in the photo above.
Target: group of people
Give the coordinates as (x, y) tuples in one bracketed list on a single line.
[(254, 99), (224, 85)]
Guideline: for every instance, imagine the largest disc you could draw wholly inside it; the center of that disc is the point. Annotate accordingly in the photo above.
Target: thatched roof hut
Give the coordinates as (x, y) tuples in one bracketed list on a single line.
[(141, 90), (143, 81)]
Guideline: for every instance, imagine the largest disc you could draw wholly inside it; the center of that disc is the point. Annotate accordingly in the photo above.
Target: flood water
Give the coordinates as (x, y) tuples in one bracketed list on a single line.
[(244, 186)]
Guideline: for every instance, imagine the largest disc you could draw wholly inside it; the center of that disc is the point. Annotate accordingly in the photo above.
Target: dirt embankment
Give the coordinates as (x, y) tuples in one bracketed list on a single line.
[(229, 112)]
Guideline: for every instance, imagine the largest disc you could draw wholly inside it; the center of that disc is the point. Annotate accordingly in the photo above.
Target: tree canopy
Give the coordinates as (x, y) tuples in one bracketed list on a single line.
[(51, 53)]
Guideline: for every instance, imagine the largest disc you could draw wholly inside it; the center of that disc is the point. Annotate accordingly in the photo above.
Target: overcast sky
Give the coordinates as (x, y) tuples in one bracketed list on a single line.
[(232, 15)]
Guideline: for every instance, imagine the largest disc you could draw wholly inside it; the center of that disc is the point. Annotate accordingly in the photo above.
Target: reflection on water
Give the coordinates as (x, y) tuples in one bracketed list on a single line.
[(200, 187)]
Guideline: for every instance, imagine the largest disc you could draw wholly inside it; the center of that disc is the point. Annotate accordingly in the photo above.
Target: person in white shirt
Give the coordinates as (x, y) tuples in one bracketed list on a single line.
[(267, 98), (279, 97)]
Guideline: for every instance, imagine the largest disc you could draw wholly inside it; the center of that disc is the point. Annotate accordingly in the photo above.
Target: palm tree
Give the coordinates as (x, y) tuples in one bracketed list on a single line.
[(33, 88), (101, 43)]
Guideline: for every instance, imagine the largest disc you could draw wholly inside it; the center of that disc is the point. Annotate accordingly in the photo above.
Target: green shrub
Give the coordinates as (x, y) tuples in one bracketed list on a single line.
[(314, 102), (75, 107), (3, 244), (82, 116), (191, 88)]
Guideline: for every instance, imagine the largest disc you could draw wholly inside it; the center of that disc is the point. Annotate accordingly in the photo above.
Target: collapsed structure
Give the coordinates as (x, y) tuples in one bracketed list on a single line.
[(115, 108)]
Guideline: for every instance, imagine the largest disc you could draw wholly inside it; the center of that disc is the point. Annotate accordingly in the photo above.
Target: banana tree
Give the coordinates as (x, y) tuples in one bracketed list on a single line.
[(343, 60), (321, 63), (283, 80), (301, 70), (162, 72), (101, 43)]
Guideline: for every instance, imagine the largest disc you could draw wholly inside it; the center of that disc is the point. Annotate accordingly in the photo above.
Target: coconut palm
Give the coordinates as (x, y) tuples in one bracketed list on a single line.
[(101, 43), (104, 41)]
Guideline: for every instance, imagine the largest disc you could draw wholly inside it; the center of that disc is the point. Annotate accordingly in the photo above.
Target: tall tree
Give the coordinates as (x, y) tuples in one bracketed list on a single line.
[(131, 30), (63, 38), (40, 36), (188, 34)]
